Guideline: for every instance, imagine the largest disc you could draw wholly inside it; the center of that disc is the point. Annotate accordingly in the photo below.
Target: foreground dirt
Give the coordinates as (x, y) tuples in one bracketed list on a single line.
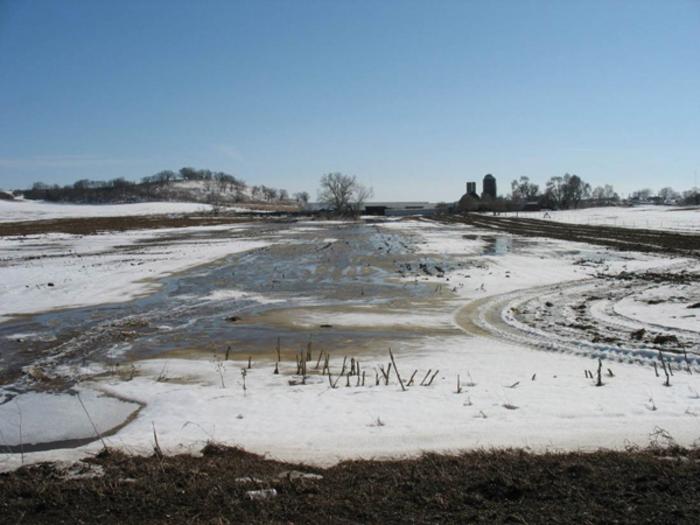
[(620, 238), (652, 486)]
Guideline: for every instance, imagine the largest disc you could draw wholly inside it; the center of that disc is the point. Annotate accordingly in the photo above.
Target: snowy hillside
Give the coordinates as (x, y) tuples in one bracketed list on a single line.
[(186, 185)]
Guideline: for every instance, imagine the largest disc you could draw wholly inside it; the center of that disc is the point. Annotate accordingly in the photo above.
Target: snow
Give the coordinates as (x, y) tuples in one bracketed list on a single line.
[(28, 210), (44, 272), (493, 274), (500, 406), (644, 217), (513, 395), (207, 187), (671, 310), (315, 422), (228, 295), (38, 417)]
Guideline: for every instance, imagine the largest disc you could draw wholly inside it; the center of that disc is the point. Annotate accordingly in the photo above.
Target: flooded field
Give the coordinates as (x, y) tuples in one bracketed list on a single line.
[(190, 337), (291, 290)]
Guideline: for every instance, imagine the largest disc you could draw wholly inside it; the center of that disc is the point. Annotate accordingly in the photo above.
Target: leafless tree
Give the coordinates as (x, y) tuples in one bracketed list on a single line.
[(554, 193), (270, 194), (524, 191), (575, 190), (691, 196), (302, 198), (359, 197), (604, 194), (257, 193), (668, 195), (343, 194), (643, 194), (567, 191)]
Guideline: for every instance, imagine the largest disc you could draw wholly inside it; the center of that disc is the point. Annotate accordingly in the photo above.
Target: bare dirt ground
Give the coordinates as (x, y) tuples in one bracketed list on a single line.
[(228, 485), (93, 225)]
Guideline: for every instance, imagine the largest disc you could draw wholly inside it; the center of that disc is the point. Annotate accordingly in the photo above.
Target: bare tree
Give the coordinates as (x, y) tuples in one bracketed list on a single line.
[(302, 198), (256, 193), (360, 196), (188, 173), (575, 190), (555, 192), (336, 191), (566, 191), (691, 196), (164, 177), (343, 193), (524, 190), (604, 194), (668, 195), (642, 195), (270, 194)]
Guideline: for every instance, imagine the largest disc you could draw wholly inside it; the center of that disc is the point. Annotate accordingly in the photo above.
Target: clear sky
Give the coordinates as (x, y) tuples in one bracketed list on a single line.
[(414, 98)]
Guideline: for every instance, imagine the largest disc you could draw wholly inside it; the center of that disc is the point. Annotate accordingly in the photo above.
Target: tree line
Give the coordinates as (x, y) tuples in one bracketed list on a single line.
[(212, 186), (667, 195), (570, 191), (560, 192)]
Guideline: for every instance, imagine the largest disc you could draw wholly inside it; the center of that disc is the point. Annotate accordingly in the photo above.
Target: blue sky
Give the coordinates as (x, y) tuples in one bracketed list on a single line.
[(414, 98)]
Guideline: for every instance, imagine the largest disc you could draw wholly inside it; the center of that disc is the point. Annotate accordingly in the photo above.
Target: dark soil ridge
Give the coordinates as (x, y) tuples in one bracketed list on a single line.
[(93, 225), (681, 277), (659, 485), (627, 239)]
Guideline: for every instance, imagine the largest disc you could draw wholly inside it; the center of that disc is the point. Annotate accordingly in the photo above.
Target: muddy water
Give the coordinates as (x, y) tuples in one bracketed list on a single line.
[(245, 301)]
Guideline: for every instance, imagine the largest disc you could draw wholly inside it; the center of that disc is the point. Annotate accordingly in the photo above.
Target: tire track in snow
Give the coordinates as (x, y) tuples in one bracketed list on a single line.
[(493, 317)]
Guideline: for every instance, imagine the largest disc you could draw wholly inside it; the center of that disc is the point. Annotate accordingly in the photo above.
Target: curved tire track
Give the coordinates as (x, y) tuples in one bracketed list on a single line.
[(495, 317)]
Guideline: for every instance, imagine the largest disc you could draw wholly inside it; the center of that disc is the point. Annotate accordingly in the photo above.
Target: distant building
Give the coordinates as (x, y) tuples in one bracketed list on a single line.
[(489, 187), (398, 209), (470, 200), (390, 209), (532, 206)]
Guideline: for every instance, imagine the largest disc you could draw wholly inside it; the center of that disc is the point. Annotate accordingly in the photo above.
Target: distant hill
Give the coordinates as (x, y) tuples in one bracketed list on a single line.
[(187, 185)]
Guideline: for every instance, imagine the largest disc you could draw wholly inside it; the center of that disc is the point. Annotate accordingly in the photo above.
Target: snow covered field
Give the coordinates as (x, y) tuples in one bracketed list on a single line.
[(519, 321), (645, 217), (27, 210), (46, 272), (191, 402)]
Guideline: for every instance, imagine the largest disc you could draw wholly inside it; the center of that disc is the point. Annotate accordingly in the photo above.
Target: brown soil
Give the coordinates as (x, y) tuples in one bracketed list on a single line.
[(620, 238), (92, 225), (652, 486), (682, 277)]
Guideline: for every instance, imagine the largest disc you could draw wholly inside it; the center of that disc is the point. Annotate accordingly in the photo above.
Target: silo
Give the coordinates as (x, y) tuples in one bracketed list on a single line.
[(489, 187)]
